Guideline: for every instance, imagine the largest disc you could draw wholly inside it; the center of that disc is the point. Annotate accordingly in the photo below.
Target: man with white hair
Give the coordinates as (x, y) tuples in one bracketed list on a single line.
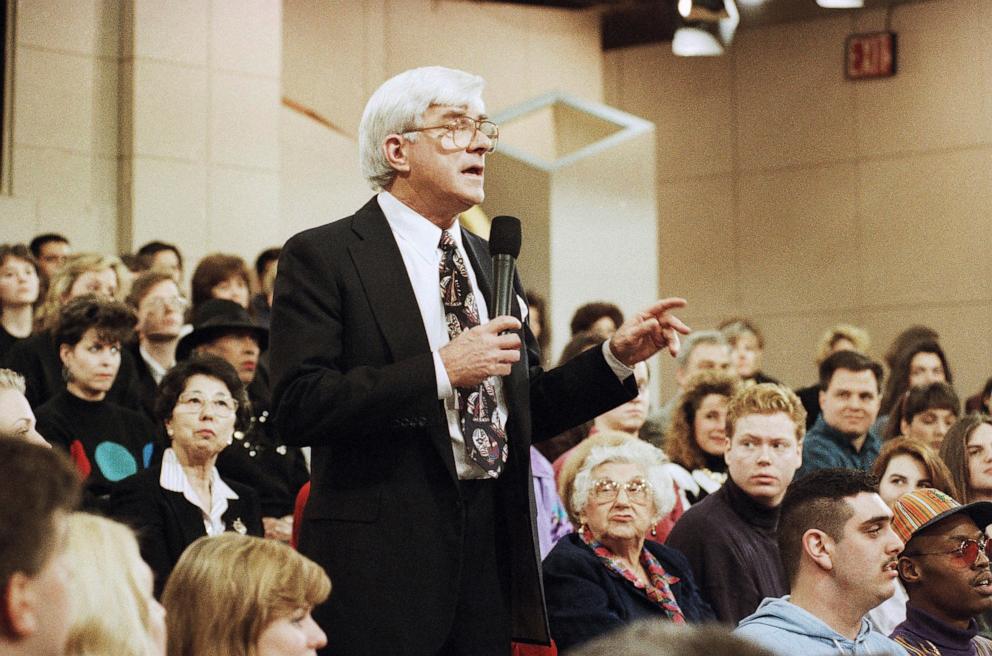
[(386, 357)]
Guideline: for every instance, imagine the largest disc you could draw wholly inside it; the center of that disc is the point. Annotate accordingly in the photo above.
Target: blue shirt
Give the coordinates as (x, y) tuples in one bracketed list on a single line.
[(825, 446)]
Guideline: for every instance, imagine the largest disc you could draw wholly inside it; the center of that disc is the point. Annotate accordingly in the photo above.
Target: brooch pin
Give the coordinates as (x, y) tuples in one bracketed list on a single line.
[(239, 526)]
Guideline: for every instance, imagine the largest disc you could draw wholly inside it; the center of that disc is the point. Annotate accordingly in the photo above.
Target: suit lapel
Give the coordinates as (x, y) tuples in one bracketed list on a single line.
[(188, 516), (380, 266)]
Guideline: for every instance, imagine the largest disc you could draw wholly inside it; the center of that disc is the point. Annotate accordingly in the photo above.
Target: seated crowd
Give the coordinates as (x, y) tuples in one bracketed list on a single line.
[(148, 493)]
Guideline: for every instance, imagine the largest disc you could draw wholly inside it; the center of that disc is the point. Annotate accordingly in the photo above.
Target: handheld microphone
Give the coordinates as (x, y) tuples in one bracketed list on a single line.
[(504, 246)]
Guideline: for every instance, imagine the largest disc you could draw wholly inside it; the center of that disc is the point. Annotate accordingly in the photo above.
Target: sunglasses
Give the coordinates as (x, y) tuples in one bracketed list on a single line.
[(966, 553)]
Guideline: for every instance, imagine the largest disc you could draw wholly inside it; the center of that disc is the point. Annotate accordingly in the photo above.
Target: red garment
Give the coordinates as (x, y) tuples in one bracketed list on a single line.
[(301, 502), (525, 649)]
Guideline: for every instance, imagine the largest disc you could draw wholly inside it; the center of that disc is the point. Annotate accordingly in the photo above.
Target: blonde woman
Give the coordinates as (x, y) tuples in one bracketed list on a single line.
[(235, 595), (114, 611), (37, 357)]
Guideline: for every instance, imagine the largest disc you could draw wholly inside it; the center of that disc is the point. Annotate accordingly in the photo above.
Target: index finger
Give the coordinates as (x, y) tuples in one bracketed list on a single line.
[(501, 323), (664, 305)]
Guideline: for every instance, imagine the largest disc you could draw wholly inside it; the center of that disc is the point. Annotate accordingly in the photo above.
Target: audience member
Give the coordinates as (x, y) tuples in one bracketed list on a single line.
[(160, 256), (843, 436), (607, 574), (650, 638), (697, 438), (17, 421), (260, 459), (19, 288), (40, 488), (747, 346), (232, 595), (599, 317), (967, 452), (113, 610), (50, 250), (981, 402), (730, 536), (925, 413), (840, 553), (945, 568), (266, 265), (107, 442), (539, 321), (703, 350), (37, 357), (905, 465), (906, 339), (841, 337), (920, 364), (159, 306), (201, 401), (221, 276)]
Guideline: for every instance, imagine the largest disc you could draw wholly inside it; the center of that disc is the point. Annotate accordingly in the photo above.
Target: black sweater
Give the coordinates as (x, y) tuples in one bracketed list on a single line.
[(106, 441), (730, 543)]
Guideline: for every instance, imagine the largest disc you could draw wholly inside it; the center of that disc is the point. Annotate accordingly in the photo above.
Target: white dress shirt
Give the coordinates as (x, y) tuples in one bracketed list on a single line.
[(418, 240), (174, 479)]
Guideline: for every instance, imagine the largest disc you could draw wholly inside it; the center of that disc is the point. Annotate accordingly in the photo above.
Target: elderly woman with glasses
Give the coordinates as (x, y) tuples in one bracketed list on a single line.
[(607, 575), (200, 403)]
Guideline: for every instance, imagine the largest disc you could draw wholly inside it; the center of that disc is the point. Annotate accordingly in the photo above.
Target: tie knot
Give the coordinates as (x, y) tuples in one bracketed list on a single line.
[(447, 241)]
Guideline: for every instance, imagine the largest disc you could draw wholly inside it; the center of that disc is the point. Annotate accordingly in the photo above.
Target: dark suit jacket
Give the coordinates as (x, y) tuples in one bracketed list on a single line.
[(586, 599), (167, 523), (354, 378)]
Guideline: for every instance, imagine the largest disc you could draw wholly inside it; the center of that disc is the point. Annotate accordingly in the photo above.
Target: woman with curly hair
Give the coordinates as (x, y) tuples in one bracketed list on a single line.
[(697, 437)]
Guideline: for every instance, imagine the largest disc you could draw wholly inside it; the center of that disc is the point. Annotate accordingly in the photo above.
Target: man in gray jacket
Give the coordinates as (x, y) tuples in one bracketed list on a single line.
[(840, 554)]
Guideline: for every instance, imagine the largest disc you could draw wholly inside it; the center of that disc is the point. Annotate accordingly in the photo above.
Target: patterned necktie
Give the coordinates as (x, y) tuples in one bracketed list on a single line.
[(485, 438)]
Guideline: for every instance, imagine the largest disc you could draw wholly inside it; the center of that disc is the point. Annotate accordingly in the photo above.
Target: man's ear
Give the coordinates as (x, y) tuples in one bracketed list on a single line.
[(821, 395), (394, 148), (909, 571), (20, 606), (818, 546)]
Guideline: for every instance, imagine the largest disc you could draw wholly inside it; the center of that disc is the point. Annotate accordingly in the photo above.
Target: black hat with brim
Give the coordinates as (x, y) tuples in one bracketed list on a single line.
[(218, 317)]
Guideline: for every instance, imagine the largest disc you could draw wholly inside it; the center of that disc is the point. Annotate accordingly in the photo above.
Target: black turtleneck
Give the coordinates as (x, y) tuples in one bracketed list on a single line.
[(730, 542), (716, 463)]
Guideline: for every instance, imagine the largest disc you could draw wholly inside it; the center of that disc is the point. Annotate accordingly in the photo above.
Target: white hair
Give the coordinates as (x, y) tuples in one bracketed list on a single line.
[(399, 105), (635, 452), (10, 379)]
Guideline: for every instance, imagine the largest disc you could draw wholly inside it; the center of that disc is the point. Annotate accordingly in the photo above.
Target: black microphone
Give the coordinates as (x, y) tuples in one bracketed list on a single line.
[(504, 246)]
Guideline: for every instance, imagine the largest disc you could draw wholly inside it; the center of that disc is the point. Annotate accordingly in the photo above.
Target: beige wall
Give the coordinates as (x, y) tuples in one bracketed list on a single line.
[(793, 196)]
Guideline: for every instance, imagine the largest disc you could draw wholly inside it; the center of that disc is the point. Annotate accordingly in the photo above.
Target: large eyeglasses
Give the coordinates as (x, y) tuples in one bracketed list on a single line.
[(966, 553), (605, 490), (190, 404), (159, 303), (462, 131)]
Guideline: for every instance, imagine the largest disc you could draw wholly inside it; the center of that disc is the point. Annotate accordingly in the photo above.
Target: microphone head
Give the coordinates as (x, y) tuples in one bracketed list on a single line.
[(504, 236)]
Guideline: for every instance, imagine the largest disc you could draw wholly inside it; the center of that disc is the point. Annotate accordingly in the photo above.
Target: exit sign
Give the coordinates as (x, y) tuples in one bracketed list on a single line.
[(868, 56)]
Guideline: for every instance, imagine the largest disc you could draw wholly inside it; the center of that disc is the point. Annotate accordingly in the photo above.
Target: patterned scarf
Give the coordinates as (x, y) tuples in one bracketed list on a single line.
[(659, 591)]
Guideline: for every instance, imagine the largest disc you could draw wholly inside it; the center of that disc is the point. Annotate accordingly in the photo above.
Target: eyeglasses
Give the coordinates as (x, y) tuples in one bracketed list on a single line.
[(160, 302), (966, 553), (462, 131), (605, 490), (222, 406)]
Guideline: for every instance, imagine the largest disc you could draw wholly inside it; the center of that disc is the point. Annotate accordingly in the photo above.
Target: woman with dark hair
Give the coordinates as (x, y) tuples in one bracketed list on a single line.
[(921, 363), (924, 413), (19, 286), (697, 436), (221, 276), (106, 441), (537, 319), (967, 452), (201, 402)]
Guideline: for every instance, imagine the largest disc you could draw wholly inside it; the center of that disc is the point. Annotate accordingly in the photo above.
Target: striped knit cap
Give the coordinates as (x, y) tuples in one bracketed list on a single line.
[(921, 508)]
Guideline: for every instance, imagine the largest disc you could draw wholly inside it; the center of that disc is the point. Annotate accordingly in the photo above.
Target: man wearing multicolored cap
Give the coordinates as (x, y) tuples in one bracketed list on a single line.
[(945, 568)]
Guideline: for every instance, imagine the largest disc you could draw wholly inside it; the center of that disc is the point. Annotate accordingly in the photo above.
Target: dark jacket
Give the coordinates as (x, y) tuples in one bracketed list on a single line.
[(167, 523), (586, 599), (731, 545), (354, 378)]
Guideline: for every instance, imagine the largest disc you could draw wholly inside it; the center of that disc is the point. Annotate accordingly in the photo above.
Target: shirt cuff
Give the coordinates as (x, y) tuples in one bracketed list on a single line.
[(622, 371), (444, 389)]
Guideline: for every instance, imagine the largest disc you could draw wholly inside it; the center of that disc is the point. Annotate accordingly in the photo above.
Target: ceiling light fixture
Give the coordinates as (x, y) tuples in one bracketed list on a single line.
[(841, 4), (706, 27)]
